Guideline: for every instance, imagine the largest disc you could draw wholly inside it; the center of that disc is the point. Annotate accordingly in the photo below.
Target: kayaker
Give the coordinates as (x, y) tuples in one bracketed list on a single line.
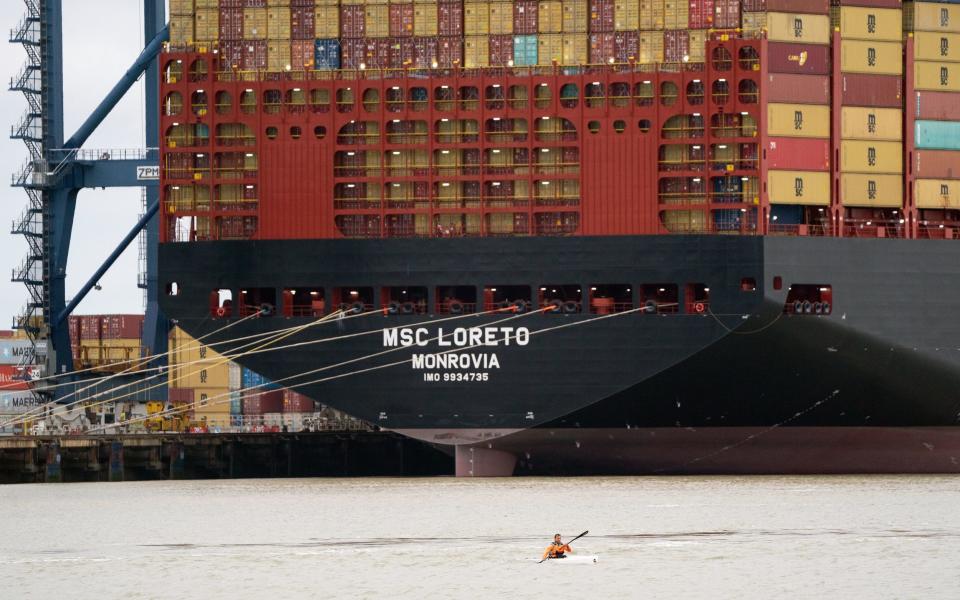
[(557, 549)]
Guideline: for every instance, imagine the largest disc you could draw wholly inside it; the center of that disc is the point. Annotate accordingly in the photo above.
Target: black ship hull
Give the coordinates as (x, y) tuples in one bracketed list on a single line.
[(746, 385)]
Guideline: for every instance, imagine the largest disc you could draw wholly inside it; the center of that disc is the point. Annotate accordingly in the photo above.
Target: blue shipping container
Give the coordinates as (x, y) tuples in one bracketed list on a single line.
[(326, 54), (524, 50), (250, 379), (938, 135)]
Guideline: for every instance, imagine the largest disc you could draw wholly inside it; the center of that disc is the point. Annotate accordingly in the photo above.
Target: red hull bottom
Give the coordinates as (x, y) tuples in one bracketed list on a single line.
[(716, 451)]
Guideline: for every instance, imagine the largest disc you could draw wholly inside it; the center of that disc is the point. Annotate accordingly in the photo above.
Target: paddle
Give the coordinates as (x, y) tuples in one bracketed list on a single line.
[(568, 543)]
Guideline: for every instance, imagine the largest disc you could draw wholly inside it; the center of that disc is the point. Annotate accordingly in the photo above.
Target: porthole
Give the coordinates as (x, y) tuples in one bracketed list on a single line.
[(644, 125), (296, 132), (272, 133), (319, 132), (594, 126), (619, 126)]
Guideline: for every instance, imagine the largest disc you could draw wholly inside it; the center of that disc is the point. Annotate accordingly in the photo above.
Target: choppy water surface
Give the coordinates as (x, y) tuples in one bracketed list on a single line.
[(705, 537)]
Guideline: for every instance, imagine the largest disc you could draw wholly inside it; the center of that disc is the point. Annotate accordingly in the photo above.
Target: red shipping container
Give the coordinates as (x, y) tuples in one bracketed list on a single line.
[(938, 106), (810, 59), (231, 3), (601, 16), (6, 333), (450, 18), (626, 46), (12, 378), (450, 51), (402, 53), (798, 154), (525, 16), (254, 3), (676, 46), (424, 52), (726, 14), (257, 403), (501, 49), (231, 24), (180, 395), (302, 3), (859, 89), (302, 54), (90, 328), (255, 55), (816, 7), (297, 403), (401, 20), (353, 52), (936, 164), (700, 14), (603, 47), (352, 21), (121, 326), (799, 89), (376, 54), (302, 23), (231, 54)]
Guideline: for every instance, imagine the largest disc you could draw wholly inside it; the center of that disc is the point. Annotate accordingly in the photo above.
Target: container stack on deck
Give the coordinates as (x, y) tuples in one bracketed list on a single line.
[(106, 343), (198, 376), (935, 108), (15, 395)]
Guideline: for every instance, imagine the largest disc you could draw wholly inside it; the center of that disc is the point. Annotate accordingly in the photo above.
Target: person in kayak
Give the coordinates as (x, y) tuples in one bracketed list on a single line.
[(557, 549)]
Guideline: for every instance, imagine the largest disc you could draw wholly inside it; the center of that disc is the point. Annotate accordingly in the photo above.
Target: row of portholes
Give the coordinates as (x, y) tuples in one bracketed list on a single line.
[(296, 132), (619, 126)]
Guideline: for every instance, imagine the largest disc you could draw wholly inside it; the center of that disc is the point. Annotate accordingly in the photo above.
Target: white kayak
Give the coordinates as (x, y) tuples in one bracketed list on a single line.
[(574, 559)]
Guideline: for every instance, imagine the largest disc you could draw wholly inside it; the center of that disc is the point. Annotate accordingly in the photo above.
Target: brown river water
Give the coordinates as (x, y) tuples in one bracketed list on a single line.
[(656, 537)]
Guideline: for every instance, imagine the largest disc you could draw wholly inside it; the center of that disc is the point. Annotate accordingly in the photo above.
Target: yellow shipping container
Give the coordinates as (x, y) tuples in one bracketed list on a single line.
[(206, 25), (425, 19), (255, 24), (278, 55), (754, 22), (550, 17), (278, 23), (326, 21), (651, 15), (798, 120), (937, 193), (626, 15), (476, 52), (941, 47), (651, 47), (871, 123), (794, 27), (933, 16), (881, 58), (181, 7), (181, 29), (676, 14), (859, 156), (193, 365), (862, 189), (377, 20), (799, 187), (698, 45), (575, 49), (476, 18), (883, 24), (501, 18), (326, 3), (940, 77), (211, 400), (549, 48), (575, 16), (207, 4)]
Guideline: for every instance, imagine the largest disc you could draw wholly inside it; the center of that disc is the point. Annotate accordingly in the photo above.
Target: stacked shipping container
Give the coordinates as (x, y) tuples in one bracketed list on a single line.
[(106, 342), (871, 116), (798, 115), (199, 376), (936, 109)]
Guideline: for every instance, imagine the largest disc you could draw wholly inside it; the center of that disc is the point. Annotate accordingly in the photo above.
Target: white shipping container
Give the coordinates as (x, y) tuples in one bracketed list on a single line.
[(234, 377), (15, 403), (13, 350)]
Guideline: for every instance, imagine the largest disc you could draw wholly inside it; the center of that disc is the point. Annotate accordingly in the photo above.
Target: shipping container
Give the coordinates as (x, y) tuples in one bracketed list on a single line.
[(575, 49), (936, 164), (602, 17), (550, 16), (937, 47), (626, 15), (450, 51), (651, 15), (626, 46), (476, 51), (501, 18), (937, 106), (676, 14), (206, 25), (450, 19), (326, 54), (602, 48), (181, 29), (700, 14), (871, 123), (476, 18), (294, 402), (352, 21), (376, 20), (231, 24), (501, 49), (871, 190), (16, 379), (549, 49), (252, 379), (676, 46), (326, 21), (401, 20), (726, 14), (278, 22), (258, 403), (942, 77), (858, 89), (937, 193), (651, 47), (816, 7), (858, 156), (808, 59), (698, 45), (121, 326), (799, 187), (798, 120), (255, 23), (211, 401), (302, 22), (931, 16), (236, 403), (882, 58), (17, 403), (797, 154), (575, 16), (525, 17), (425, 20), (279, 57), (255, 55), (524, 50), (754, 23), (862, 23), (798, 28), (937, 135), (180, 395), (798, 89)]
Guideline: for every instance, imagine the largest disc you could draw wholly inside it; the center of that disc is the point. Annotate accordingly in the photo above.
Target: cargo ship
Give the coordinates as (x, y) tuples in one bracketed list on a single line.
[(582, 236)]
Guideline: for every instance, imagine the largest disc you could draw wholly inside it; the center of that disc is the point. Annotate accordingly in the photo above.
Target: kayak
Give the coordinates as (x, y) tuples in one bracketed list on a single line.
[(574, 559)]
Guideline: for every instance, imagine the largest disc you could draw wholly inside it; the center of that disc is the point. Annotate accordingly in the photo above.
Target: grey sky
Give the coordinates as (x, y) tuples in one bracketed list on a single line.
[(101, 40)]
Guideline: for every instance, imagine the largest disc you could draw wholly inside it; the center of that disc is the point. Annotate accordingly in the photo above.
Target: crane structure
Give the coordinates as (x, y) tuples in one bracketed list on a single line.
[(58, 168)]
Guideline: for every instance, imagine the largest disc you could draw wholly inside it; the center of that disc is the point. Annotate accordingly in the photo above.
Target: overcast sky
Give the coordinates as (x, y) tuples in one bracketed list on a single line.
[(101, 38)]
